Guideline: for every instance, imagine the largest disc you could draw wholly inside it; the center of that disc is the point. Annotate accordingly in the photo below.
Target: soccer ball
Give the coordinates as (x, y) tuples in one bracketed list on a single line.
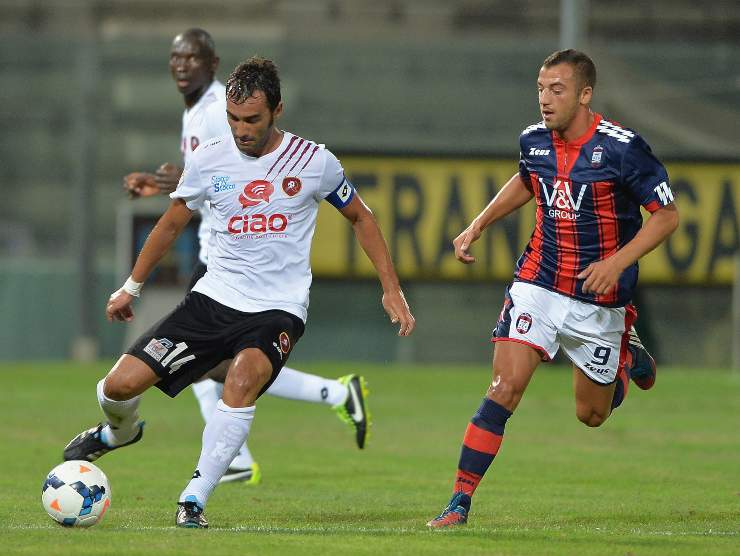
[(76, 494)]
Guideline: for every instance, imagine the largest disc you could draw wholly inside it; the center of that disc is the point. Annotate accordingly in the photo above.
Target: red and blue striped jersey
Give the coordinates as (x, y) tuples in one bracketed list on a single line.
[(588, 192)]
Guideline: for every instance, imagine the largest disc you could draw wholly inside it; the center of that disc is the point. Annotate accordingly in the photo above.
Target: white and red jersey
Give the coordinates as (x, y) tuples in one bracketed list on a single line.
[(201, 122), (263, 216)]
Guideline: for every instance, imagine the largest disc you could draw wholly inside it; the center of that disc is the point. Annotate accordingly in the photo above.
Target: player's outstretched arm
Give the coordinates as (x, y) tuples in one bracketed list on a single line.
[(512, 195), (164, 234), (603, 276), (142, 184), (372, 242)]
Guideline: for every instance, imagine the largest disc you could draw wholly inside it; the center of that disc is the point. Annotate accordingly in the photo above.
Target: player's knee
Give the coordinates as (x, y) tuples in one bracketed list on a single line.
[(504, 393), (120, 387), (590, 417), (247, 378)]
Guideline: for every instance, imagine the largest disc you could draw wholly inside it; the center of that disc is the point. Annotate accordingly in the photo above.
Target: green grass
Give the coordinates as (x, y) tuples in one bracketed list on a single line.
[(662, 476)]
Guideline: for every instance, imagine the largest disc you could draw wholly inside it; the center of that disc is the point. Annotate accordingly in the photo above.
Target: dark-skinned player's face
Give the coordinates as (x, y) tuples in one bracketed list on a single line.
[(191, 68), (560, 96), (252, 123)]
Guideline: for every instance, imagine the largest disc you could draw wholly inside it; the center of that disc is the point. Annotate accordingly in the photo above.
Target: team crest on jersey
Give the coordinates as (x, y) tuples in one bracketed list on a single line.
[(284, 340), (596, 156), (524, 323), (256, 192), (194, 142), (291, 186)]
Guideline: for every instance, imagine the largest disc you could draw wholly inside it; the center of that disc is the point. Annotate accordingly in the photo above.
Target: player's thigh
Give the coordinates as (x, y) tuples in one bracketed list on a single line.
[(186, 343), (595, 339), (218, 373), (514, 364), (129, 377), (593, 399), (274, 333)]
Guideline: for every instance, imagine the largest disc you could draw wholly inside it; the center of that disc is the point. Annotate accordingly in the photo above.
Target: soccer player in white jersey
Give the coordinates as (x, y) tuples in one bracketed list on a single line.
[(251, 304), (193, 64)]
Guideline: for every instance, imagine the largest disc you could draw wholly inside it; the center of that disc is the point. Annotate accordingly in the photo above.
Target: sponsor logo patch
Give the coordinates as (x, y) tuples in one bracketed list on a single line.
[(157, 348), (523, 323), (284, 340), (221, 183), (291, 186), (256, 192)]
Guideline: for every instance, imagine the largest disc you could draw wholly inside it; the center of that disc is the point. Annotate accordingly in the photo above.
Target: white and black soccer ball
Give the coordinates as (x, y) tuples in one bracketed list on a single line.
[(76, 494)]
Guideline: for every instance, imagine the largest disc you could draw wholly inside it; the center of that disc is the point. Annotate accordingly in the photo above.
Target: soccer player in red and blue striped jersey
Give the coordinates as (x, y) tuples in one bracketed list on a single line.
[(573, 284)]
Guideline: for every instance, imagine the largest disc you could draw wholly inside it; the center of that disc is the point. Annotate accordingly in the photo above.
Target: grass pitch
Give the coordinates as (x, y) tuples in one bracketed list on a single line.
[(662, 476)]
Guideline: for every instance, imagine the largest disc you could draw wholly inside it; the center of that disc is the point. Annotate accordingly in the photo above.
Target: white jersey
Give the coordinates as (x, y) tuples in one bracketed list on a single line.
[(201, 122), (263, 216)]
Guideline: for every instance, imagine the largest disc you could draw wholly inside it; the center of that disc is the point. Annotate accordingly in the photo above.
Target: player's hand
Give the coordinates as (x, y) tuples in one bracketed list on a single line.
[(119, 307), (398, 310), (140, 184), (167, 177), (601, 277), (462, 244)]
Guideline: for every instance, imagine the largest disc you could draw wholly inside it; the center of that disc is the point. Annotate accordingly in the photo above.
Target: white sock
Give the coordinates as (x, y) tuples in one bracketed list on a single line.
[(225, 432), (296, 385), (207, 392), (243, 459), (123, 417)]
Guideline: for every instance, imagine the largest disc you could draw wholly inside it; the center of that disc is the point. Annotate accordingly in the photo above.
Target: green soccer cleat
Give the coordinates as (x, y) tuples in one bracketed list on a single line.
[(249, 476), (354, 410)]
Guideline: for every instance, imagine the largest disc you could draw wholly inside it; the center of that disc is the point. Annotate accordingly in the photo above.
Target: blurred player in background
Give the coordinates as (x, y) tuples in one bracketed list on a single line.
[(251, 304), (193, 65), (574, 282)]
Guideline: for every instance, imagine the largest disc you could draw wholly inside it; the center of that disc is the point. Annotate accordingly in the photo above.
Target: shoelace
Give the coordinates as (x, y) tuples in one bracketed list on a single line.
[(635, 339)]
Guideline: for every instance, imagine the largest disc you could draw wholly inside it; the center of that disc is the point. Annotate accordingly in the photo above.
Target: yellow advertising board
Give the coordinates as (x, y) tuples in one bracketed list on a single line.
[(423, 203)]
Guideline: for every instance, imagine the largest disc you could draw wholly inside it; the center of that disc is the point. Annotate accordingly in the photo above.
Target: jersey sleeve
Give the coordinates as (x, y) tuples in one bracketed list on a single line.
[(191, 188), (523, 170), (334, 185), (216, 124), (645, 176)]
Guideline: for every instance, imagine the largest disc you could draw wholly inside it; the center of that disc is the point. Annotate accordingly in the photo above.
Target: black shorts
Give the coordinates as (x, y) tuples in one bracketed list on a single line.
[(200, 333), (198, 271)]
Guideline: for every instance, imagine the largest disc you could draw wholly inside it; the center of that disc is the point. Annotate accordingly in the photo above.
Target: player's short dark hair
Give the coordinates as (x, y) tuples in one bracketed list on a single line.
[(256, 74), (584, 67), (204, 40)]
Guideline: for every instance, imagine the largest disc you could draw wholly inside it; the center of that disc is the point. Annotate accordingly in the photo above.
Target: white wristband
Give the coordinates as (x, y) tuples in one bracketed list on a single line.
[(131, 287)]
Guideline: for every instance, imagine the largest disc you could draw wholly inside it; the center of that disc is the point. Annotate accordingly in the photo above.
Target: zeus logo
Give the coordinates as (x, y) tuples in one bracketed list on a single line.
[(561, 196)]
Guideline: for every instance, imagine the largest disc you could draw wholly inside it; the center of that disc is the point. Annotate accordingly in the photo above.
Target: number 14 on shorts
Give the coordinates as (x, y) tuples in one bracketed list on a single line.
[(164, 351)]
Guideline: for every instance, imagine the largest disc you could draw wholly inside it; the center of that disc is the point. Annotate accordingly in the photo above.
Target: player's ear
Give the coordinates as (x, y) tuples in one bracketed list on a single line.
[(278, 110), (214, 64), (586, 94)]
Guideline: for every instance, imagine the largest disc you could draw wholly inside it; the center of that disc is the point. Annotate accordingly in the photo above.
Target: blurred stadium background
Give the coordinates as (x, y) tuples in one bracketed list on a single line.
[(423, 100)]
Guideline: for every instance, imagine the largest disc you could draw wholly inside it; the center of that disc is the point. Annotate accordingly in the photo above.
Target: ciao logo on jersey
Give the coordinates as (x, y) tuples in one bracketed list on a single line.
[(256, 192), (258, 223)]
